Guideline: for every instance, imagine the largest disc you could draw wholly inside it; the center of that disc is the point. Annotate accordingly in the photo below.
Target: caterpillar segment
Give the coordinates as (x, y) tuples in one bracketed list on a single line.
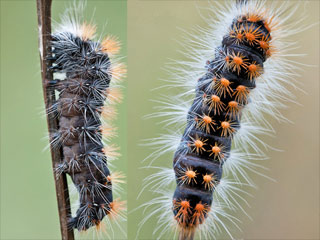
[(85, 69), (223, 92)]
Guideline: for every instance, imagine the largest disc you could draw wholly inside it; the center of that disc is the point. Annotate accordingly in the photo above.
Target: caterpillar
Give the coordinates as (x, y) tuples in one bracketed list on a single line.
[(246, 78), (87, 73), (214, 117)]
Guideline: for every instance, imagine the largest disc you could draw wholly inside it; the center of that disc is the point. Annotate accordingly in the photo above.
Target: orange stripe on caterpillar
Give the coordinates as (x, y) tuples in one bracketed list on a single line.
[(114, 95), (118, 71), (87, 31), (236, 62), (222, 86), (110, 45), (197, 144), (214, 103), (206, 123)]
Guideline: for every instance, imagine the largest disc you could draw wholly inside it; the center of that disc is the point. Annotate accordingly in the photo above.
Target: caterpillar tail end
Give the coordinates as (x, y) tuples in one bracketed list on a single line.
[(187, 233)]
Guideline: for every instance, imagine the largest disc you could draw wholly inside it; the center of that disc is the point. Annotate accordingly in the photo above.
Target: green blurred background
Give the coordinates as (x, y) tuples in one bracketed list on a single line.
[(28, 200), (287, 209), (148, 30)]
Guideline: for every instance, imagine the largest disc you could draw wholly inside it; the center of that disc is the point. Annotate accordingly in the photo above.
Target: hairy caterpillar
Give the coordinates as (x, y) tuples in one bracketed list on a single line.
[(206, 190), (87, 73), (214, 117)]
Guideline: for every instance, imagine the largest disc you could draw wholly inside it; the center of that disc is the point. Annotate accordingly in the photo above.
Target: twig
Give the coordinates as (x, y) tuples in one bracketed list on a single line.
[(44, 25)]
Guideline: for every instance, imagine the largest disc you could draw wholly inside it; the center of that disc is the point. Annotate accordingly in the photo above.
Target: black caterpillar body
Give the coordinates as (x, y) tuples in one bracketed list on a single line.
[(214, 117), (81, 98)]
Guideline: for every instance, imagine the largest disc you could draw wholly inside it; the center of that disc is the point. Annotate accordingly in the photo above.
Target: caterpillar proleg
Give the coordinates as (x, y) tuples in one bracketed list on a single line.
[(87, 73), (239, 72)]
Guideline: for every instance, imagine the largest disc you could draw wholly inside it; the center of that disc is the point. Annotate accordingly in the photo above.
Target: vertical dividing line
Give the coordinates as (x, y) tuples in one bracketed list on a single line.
[(44, 26)]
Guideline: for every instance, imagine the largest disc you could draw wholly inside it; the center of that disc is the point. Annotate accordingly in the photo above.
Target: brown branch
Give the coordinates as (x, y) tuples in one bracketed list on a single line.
[(44, 25)]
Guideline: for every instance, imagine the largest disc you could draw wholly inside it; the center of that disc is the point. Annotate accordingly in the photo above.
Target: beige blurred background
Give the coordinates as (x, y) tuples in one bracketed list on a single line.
[(286, 209)]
